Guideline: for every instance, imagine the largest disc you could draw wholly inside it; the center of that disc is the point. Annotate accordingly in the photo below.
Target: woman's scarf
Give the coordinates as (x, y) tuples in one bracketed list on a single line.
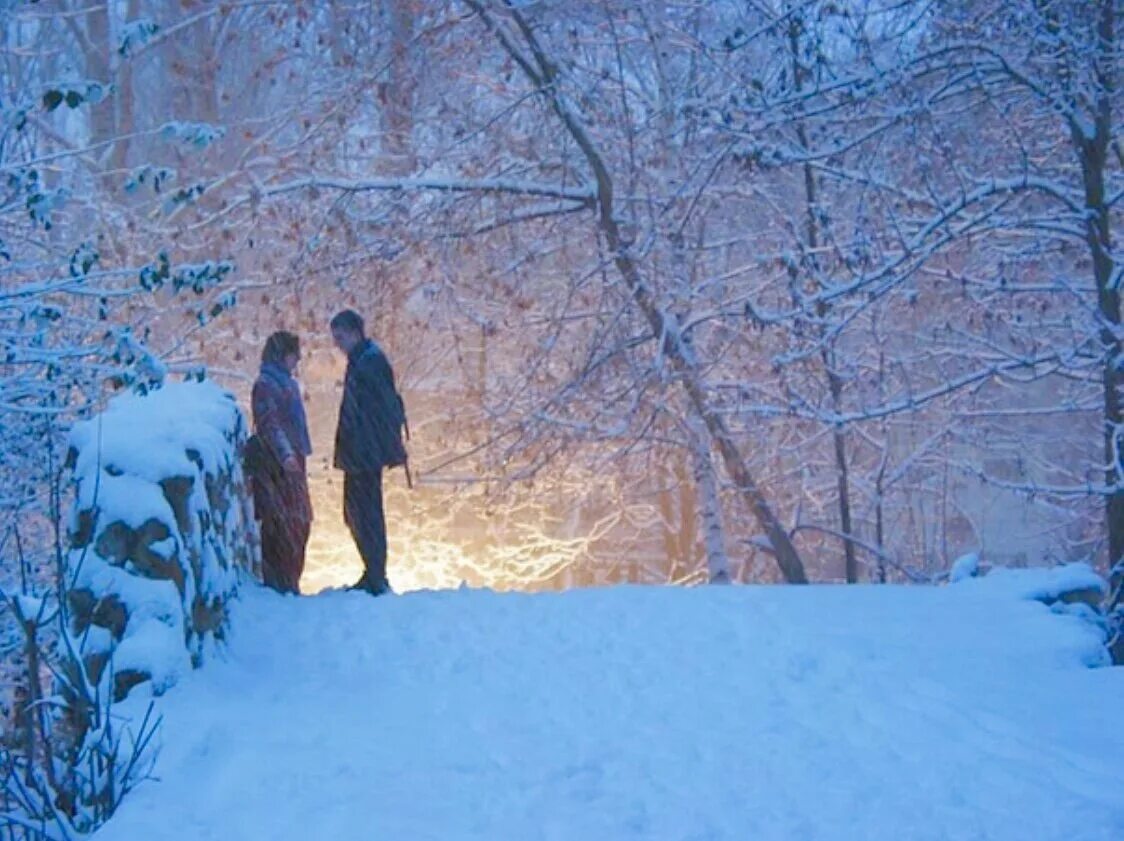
[(295, 407)]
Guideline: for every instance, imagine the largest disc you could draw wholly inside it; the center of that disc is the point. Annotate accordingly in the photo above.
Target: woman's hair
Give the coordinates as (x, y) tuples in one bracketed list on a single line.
[(280, 345)]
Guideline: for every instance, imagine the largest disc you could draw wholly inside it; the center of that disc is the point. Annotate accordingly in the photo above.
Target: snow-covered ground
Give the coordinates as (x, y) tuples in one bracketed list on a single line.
[(757, 713)]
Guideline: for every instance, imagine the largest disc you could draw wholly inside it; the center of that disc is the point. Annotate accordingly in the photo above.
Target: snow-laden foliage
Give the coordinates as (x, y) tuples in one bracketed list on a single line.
[(198, 135), (135, 34), (95, 292), (161, 530)]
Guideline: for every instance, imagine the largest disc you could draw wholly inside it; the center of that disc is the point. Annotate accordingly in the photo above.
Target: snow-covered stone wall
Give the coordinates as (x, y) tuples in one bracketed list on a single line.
[(162, 527)]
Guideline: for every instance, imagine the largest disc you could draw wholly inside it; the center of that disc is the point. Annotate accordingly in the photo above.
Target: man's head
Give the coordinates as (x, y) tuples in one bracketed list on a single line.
[(347, 330)]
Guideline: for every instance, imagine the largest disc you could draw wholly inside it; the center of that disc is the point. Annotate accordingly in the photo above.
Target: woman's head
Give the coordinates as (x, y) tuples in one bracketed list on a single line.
[(282, 348)]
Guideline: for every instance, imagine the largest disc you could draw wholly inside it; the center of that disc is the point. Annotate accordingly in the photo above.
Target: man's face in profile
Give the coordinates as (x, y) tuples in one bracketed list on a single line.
[(345, 339)]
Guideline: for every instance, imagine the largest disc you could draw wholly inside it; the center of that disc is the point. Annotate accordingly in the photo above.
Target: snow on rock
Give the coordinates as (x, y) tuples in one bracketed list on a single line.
[(966, 566), (1074, 582), (161, 528), (866, 712), (1074, 590)]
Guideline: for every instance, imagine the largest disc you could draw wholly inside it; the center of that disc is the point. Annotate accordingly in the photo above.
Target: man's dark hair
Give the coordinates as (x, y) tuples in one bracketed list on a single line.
[(278, 346), (348, 320)]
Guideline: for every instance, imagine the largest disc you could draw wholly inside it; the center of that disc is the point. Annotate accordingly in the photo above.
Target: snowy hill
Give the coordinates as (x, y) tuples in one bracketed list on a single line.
[(961, 712)]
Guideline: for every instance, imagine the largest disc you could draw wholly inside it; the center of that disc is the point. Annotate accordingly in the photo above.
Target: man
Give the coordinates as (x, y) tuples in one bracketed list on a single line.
[(368, 439)]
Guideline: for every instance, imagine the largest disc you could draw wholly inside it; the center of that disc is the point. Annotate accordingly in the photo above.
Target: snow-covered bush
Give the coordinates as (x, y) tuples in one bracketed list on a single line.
[(161, 527), (160, 530), (90, 277), (69, 760), (87, 281)]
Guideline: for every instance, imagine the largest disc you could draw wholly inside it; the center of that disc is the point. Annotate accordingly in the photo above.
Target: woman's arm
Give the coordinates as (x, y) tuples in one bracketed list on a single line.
[(267, 407)]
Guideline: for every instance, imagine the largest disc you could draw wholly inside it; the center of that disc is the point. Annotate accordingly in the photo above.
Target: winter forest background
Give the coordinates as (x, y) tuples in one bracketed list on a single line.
[(675, 291), (859, 252), (669, 287)]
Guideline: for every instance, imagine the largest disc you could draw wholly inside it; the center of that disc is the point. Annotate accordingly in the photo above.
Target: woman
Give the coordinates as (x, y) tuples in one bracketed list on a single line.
[(281, 498)]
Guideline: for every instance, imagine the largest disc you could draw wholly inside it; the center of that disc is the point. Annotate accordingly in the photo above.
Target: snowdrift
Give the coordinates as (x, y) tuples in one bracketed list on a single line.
[(968, 711)]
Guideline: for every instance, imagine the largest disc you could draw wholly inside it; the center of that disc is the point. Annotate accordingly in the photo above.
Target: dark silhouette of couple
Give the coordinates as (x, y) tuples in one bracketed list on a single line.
[(368, 440)]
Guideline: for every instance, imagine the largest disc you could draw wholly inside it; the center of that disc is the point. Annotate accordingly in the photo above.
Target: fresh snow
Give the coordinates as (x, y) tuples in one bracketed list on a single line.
[(1043, 584), (149, 435), (826, 712), (964, 567)]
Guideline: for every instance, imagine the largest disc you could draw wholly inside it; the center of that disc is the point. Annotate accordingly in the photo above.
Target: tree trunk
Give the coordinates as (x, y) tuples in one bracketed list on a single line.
[(667, 519), (97, 53), (540, 70), (709, 509), (123, 103), (1092, 153), (827, 355), (688, 535), (397, 94)]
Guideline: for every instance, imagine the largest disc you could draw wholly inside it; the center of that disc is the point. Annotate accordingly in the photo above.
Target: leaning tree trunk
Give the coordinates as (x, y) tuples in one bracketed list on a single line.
[(709, 509), (1092, 153), (541, 71)]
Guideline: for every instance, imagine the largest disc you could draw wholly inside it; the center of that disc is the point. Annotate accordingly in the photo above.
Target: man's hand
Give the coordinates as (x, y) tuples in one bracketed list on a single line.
[(291, 465)]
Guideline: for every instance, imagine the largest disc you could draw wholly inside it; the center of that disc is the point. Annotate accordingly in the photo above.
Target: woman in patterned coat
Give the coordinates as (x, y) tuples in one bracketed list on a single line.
[(281, 500)]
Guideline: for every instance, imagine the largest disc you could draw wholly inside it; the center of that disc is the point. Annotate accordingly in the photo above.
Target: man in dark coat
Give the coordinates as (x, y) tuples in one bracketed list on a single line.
[(281, 500), (368, 439)]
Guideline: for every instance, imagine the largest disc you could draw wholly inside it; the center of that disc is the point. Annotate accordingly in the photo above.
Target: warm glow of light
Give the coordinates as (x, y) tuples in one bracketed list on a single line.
[(417, 560), (424, 555), (413, 564), (442, 538), (332, 561)]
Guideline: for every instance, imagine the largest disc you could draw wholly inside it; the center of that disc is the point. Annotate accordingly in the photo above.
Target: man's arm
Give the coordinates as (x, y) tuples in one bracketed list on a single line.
[(385, 402)]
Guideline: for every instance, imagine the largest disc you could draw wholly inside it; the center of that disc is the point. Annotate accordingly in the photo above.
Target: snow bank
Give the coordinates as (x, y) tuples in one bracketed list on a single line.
[(1074, 589), (859, 713), (162, 525), (1069, 583)]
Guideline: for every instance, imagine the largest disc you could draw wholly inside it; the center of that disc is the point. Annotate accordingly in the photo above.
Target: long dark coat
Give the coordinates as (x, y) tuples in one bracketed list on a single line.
[(282, 502), (372, 415)]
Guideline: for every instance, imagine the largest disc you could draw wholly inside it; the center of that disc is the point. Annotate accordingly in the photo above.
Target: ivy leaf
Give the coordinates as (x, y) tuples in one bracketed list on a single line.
[(52, 99), (153, 276), (83, 259), (184, 195)]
